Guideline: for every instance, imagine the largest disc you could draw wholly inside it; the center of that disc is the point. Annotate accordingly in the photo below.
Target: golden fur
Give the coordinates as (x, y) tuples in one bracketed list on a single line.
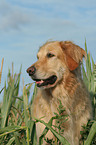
[(64, 62)]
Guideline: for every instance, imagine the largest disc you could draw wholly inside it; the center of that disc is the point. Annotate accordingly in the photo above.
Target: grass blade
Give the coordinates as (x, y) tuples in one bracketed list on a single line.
[(25, 99), (1, 69), (61, 138), (10, 129), (11, 141), (17, 140), (7, 102), (91, 134), (32, 128)]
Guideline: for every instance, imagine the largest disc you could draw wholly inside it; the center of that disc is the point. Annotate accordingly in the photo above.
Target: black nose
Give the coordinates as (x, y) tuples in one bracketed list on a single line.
[(31, 70)]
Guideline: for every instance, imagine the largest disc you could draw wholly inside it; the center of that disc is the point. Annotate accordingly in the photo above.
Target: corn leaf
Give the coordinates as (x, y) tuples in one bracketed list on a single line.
[(92, 133), (33, 136), (11, 141), (57, 135), (25, 99)]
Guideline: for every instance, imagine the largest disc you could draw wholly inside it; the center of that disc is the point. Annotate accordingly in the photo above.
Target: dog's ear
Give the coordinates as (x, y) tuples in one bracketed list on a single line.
[(73, 53)]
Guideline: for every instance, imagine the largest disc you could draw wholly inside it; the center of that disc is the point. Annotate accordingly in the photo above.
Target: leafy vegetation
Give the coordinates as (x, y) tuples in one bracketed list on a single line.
[(16, 124), (1, 69)]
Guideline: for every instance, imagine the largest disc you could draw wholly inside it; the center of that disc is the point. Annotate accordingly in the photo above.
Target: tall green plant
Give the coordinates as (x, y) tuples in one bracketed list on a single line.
[(16, 126), (10, 93), (89, 77), (1, 69)]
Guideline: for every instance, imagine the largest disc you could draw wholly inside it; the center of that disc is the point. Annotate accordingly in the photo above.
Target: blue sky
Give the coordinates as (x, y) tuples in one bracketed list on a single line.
[(26, 24)]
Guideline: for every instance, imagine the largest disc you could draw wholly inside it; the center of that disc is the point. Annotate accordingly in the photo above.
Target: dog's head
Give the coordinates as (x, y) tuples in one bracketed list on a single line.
[(55, 59)]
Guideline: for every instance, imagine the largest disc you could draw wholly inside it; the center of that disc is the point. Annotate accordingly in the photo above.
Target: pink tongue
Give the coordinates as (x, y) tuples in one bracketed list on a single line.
[(40, 82)]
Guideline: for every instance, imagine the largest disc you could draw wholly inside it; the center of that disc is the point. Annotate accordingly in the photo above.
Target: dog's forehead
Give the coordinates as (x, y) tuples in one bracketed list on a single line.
[(48, 47)]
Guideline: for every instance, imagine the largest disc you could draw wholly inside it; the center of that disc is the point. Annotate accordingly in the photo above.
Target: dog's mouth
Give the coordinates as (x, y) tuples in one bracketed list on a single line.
[(46, 82)]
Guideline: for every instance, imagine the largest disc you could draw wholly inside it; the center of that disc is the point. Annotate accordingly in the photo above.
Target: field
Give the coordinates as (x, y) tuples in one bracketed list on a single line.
[(16, 124)]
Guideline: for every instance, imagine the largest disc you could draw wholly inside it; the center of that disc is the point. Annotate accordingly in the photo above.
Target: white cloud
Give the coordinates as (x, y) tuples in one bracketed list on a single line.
[(12, 17), (46, 19), (13, 20), (41, 12)]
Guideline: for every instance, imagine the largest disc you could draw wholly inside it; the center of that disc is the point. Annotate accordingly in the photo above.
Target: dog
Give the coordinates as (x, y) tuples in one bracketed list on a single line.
[(57, 74)]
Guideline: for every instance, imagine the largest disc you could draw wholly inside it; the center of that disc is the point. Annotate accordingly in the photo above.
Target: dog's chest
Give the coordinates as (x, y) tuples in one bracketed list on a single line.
[(47, 103)]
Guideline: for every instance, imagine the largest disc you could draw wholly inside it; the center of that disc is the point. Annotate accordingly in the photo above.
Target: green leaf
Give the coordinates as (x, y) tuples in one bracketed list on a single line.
[(61, 138), (33, 136), (92, 133), (34, 94), (7, 102), (84, 76), (17, 140), (25, 99), (10, 129), (11, 141)]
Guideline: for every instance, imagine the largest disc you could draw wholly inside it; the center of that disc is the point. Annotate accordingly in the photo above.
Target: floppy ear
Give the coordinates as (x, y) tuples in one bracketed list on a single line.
[(73, 53), (72, 64)]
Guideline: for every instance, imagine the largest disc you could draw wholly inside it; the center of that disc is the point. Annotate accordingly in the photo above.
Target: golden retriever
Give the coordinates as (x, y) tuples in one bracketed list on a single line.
[(58, 76)]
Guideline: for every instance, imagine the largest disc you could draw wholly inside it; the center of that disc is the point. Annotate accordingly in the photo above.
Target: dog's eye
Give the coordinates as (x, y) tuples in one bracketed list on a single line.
[(49, 55)]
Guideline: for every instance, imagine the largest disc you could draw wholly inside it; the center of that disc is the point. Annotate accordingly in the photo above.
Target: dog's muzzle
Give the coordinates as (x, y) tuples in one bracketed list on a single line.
[(50, 81)]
